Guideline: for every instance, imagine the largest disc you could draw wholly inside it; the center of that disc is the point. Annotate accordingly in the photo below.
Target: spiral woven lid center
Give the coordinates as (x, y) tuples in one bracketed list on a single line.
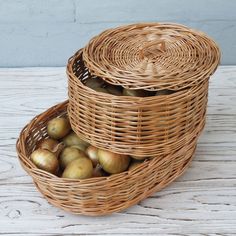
[(152, 56)]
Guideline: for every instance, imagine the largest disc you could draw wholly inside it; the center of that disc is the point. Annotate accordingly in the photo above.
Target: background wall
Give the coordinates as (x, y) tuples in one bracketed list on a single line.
[(48, 32)]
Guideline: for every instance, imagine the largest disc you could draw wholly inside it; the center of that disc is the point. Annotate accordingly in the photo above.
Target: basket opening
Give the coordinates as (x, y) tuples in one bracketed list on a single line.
[(99, 84)]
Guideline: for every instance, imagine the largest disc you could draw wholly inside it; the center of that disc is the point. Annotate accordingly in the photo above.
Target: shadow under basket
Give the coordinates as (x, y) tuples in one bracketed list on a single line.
[(100, 195)]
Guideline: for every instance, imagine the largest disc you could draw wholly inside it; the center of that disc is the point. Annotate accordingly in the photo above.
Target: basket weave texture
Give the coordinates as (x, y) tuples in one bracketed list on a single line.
[(149, 126), (102, 195), (150, 56), (166, 128)]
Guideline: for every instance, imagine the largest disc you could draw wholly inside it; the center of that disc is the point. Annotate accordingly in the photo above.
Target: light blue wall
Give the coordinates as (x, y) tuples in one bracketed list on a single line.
[(48, 32)]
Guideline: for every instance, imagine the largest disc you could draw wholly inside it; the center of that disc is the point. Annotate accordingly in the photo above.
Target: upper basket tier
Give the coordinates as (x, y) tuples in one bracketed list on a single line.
[(152, 56)]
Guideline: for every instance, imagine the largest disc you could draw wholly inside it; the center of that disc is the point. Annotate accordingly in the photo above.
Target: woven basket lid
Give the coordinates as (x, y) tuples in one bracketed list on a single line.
[(152, 56)]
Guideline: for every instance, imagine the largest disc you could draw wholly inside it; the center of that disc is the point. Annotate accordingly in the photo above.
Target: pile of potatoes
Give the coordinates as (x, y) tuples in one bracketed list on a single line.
[(100, 85), (64, 154)]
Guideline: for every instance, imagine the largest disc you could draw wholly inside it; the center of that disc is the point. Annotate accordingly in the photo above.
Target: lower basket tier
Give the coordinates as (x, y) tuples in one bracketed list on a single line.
[(101, 195)]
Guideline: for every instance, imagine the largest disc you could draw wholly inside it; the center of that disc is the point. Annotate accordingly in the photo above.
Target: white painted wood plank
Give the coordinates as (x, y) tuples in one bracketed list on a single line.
[(175, 210), (203, 201)]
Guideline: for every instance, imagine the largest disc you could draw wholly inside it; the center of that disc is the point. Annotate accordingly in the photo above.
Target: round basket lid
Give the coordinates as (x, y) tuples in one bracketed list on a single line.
[(152, 56)]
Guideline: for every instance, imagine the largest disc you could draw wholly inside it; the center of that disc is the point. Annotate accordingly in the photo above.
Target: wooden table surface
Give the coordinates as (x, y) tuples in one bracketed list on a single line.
[(202, 201)]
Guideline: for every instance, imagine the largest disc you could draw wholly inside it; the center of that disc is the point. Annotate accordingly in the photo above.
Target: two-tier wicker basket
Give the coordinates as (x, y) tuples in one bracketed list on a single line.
[(164, 128)]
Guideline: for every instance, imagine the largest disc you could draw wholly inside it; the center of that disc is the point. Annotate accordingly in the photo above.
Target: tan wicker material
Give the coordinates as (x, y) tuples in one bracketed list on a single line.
[(148, 126), (102, 195), (152, 56)]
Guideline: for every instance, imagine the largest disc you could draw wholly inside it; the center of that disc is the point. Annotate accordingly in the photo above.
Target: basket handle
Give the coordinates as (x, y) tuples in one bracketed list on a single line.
[(151, 52)]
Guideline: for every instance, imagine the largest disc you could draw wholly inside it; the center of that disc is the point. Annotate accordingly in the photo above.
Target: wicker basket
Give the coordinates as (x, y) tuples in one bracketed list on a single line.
[(144, 56), (166, 128), (102, 195)]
